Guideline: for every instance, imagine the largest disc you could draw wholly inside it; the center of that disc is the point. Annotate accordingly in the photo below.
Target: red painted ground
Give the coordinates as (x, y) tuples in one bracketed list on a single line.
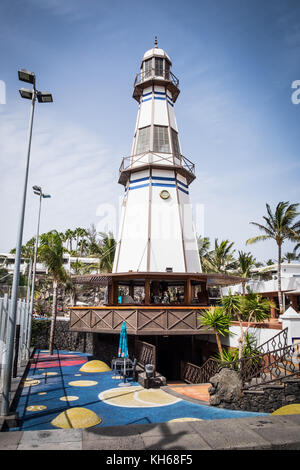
[(199, 392)]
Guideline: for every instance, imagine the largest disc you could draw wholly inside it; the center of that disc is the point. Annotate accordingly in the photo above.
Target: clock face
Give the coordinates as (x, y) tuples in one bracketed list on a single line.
[(164, 194)]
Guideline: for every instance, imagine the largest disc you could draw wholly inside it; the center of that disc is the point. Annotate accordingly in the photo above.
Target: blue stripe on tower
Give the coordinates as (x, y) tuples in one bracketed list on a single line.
[(139, 186), (183, 190)]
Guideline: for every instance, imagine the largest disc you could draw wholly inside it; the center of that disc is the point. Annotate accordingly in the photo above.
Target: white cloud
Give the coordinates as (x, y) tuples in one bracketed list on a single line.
[(67, 161)]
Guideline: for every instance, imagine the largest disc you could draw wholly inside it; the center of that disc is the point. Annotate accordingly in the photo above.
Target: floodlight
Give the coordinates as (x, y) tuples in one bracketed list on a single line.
[(44, 97), (26, 76), (25, 93)]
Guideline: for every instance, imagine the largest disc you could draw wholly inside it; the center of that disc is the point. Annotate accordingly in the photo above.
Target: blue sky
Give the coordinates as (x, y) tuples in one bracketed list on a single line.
[(236, 61)]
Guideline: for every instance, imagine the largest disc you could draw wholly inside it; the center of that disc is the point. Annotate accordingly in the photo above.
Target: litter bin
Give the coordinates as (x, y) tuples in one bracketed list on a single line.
[(150, 372)]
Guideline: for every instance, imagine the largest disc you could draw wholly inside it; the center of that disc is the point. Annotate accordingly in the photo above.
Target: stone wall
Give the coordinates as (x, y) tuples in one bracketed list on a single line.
[(64, 338), (226, 392), (106, 346)]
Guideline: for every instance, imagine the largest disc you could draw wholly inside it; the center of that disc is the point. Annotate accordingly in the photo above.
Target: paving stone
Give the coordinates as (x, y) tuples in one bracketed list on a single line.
[(228, 434), (164, 429), (51, 436), (292, 419), (112, 432), (281, 437), (35, 445), (117, 443), (176, 442), (10, 439)]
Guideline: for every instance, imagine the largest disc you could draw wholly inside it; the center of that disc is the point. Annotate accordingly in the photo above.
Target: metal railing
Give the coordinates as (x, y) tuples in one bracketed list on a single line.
[(153, 73), (273, 361), (21, 332), (150, 157)]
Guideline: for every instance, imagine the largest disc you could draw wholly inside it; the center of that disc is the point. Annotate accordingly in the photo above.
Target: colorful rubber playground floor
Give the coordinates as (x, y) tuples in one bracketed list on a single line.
[(72, 390)]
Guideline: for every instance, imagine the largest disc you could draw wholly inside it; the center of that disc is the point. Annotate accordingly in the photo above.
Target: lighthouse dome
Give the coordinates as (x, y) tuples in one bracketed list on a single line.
[(156, 52)]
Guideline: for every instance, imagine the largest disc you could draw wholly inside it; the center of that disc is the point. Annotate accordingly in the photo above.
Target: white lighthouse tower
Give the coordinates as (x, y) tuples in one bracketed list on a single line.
[(156, 231)]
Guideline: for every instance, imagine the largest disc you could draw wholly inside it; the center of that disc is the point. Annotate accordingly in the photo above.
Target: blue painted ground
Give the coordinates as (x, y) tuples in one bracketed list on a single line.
[(54, 387)]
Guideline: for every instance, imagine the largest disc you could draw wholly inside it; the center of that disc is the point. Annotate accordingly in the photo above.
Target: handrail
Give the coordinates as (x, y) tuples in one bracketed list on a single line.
[(134, 159), (149, 74)]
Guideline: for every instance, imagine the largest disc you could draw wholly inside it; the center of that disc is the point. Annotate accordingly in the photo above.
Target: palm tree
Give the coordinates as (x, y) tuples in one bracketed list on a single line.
[(51, 254), (246, 309), (290, 256), (217, 319), (245, 262), (203, 248), (220, 260), (280, 226)]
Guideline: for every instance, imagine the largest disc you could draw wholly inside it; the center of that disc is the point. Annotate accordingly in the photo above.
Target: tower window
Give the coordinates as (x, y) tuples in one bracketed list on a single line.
[(143, 142), (167, 70), (175, 142), (148, 68), (159, 67), (161, 139)]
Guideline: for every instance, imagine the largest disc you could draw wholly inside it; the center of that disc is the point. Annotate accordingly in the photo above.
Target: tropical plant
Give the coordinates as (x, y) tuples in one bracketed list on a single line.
[(290, 256), (105, 251), (219, 320), (280, 226), (220, 259), (203, 244), (51, 254), (245, 263), (246, 309)]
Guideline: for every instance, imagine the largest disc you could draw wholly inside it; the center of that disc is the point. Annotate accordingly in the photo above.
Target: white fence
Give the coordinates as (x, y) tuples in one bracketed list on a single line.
[(22, 337)]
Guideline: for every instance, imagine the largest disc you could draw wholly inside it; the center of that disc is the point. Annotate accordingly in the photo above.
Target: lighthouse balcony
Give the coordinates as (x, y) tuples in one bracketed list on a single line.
[(150, 159), (148, 77)]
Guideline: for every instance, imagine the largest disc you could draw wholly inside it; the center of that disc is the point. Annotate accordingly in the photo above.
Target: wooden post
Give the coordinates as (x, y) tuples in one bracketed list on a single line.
[(187, 292), (147, 292)]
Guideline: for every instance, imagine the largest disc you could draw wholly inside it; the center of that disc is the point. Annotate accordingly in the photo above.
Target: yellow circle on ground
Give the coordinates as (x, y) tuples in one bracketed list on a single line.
[(83, 383), (293, 409), (76, 418), (69, 398), (36, 408), (50, 373), (156, 397), (137, 397), (31, 382), (179, 420), (95, 366)]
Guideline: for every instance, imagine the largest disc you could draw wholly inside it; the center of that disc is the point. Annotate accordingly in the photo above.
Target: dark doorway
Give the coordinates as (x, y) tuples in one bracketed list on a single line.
[(171, 350)]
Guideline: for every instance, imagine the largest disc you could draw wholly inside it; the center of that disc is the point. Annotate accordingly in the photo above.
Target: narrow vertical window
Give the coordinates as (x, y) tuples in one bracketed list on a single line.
[(159, 67), (148, 68), (143, 141), (167, 70), (175, 142), (161, 139)]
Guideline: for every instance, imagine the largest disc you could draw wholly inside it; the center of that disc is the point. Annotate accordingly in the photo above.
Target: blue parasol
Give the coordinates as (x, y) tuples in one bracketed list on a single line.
[(123, 347)]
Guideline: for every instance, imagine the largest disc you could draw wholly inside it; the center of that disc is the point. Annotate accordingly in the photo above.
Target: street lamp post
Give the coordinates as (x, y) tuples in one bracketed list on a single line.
[(31, 94), (37, 190)]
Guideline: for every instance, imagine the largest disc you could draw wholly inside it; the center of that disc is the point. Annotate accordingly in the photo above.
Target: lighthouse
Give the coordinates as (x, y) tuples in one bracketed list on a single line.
[(156, 231), (156, 286)]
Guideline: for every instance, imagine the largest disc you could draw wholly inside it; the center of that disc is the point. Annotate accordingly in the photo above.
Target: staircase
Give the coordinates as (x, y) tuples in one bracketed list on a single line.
[(274, 362)]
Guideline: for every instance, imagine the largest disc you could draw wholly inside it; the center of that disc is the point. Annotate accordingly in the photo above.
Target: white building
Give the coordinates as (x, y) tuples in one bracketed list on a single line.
[(7, 261), (290, 284)]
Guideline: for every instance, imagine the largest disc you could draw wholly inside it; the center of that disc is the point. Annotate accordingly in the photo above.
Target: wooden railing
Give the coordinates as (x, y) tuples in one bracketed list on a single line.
[(145, 353), (139, 320)]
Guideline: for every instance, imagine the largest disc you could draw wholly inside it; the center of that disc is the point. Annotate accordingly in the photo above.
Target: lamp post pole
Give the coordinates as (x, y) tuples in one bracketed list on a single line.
[(7, 371), (37, 190), (28, 77)]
